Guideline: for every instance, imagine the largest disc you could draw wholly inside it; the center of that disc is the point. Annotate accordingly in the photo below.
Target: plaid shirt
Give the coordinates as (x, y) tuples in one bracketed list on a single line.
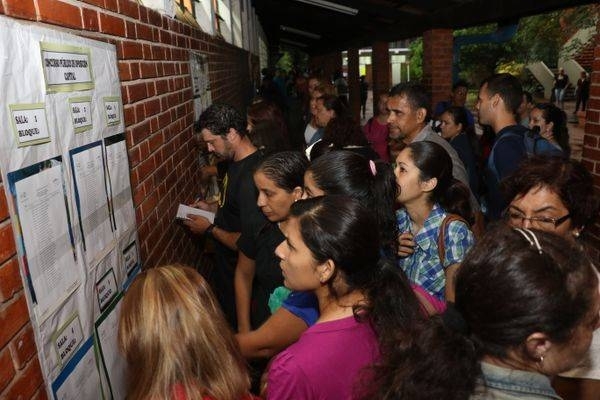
[(423, 267)]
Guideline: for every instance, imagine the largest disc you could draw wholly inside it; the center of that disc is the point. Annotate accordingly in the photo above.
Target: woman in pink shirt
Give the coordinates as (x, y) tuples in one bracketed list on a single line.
[(376, 129), (332, 248)]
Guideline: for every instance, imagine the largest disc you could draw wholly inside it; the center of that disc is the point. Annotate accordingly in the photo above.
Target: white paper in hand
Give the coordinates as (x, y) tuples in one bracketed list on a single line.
[(183, 211)]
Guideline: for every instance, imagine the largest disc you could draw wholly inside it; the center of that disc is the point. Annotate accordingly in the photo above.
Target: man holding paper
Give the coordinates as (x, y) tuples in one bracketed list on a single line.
[(224, 131)]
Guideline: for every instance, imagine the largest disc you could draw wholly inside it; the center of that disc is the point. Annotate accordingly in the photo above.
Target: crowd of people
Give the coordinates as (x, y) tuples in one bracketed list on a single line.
[(403, 259)]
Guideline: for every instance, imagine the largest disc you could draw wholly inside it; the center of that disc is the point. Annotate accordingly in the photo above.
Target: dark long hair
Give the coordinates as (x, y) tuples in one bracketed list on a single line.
[(506, 289), (350, 174), (342, 229), (553, 114), (433, 161), (344, 131), (459, 116)]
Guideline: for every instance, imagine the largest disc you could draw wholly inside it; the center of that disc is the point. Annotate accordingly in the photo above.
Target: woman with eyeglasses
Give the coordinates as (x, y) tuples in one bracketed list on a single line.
[(557, 195)]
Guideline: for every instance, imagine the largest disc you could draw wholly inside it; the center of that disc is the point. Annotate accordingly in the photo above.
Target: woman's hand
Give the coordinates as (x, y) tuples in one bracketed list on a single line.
[(406, 244)]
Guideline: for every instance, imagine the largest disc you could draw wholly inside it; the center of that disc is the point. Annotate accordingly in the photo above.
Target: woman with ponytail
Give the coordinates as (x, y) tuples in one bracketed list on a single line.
[(432, 242), (332, 249), (527, 303)]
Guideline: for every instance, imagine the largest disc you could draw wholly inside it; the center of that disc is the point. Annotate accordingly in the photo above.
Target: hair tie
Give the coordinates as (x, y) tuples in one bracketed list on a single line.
[(373, 168), (530, 237)]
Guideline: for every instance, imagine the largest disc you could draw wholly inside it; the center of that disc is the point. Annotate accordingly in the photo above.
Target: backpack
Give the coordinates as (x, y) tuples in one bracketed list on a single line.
[(533, 143)]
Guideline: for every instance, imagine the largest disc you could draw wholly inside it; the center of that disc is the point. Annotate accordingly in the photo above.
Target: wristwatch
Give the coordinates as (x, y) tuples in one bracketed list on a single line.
[(209, 230)]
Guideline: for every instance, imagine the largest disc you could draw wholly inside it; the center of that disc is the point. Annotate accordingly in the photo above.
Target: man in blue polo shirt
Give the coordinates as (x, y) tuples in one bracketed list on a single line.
[(499, 98)]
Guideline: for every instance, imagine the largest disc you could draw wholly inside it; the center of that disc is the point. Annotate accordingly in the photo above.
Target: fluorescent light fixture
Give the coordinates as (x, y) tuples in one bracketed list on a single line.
[(299, 32), (293, 42), (331, 6)]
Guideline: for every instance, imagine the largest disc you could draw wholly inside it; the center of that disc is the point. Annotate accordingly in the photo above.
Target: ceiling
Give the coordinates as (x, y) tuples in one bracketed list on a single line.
[(385, 20)]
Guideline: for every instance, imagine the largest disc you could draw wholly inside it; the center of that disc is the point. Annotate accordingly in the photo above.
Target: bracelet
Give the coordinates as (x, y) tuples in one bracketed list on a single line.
[(209, 230)]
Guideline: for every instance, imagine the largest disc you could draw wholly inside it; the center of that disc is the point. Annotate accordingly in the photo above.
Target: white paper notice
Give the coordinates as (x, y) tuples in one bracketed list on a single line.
[(79, 379), (66, 67), (94, 218), (81, 111), (112, 110), (114, 364), (44, 224), (29, 123), (183, 211), (68, 339), (118, 171)]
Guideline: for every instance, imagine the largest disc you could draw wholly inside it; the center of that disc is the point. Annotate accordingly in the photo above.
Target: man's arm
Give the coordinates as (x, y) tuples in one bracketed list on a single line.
[(199, 225)]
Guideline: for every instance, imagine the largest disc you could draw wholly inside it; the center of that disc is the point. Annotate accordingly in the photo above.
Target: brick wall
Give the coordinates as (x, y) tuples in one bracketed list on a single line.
[(591, 140), (152, 52), (437, 63)]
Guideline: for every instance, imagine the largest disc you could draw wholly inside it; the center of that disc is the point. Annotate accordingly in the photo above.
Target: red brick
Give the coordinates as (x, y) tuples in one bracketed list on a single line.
[(90, 19), (10, 279), (111, 5), (7, 241), (99, 3), (59, 13), (151, 107), (3, 205), (27, 383), (155, 142), (130, 30), (154, 18), (148, 205), (148, 70), (136, 92), (139, 132), (7, 370), (144, 31), (145, 168), (23, 347), (12, 318), (129, 8), (112, 25), (20, 9), (129, 113), (124, 71), (130, 50)]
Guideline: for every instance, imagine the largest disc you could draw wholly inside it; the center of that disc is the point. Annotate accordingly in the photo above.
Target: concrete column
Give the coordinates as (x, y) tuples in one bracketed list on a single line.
[(353, 82), (380, 59), (437, 63)]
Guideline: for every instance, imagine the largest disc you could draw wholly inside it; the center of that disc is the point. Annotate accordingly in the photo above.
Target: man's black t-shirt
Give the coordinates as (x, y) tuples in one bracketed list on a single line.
[(237, 208)]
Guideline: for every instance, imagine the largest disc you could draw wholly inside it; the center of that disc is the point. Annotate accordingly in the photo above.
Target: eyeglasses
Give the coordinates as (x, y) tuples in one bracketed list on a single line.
[(517, 219)]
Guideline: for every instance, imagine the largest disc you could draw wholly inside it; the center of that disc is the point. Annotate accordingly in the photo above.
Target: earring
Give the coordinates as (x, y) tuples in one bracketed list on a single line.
[(576, 234), (541, 359)]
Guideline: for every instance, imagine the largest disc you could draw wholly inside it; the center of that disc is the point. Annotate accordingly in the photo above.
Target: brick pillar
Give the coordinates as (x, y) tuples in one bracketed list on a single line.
[(380, 58), (591, 142), (437, 63), (353, 82)]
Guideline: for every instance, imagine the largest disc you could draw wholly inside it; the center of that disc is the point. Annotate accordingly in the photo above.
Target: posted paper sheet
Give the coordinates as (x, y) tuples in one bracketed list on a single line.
[(90, 195), (40, 201)]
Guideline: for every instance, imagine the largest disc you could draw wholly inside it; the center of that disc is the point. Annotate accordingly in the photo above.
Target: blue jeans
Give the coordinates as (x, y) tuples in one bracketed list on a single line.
[(559, 93)]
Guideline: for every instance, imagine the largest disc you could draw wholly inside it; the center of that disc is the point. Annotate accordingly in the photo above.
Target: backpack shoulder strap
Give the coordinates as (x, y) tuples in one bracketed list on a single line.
[(442, 235)]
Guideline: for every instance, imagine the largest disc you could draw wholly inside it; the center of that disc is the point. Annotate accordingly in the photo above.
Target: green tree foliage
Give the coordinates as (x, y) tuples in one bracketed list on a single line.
[(538, 38), (416, 59)]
